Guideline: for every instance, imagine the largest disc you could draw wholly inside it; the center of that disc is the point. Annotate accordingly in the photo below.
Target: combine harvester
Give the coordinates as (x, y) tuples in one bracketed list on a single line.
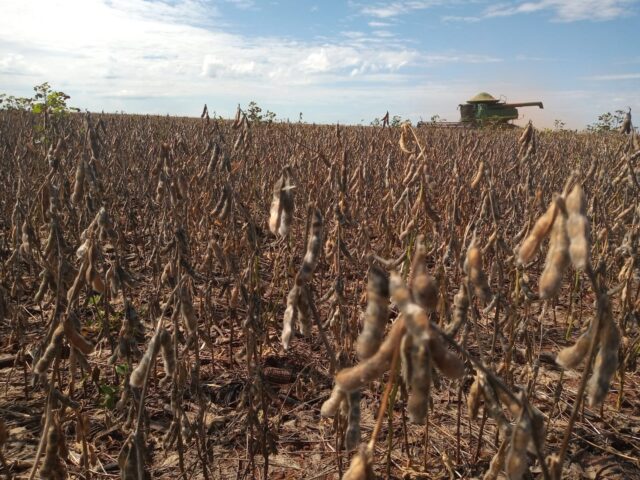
[(485, 111)]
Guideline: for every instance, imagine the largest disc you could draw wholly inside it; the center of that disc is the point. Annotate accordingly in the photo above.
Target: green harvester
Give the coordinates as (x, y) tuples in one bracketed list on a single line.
[(485, 110)]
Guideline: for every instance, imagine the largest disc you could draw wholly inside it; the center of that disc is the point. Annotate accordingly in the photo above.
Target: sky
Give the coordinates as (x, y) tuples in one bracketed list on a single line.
[(334, 61)]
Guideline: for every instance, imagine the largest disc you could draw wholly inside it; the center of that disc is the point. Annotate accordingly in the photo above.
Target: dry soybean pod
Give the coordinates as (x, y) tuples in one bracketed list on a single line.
[(478, 176), (446, 361), (332, 404), (138, 373), (354, 378), (497, 462), (420, 383), (281, 205), (53, 467), (557, 259), (290, 315), (578, 228), (474, 397), (571, 357), (168, 354), (424, 287), (360, 467), (516, 464), (473, 267), (75, 338), (540, 230), (460, 309), (352, 433), (52, 349), (377, 314), (606, 363)]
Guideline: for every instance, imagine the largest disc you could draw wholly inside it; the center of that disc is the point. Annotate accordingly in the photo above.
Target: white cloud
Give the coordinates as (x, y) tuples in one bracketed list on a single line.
[(383, 33), (213, 67), (354, 35), (393, 9), (242, 4), (116, 45), (181, 11), (530, 58), (15, 64), (615, 77), (562, 10), (384, 11), (460, 58), (459, 18), (317, 61)]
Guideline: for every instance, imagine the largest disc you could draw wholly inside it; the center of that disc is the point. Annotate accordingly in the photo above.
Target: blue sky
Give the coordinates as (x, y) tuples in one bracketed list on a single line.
[(334, 61)]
